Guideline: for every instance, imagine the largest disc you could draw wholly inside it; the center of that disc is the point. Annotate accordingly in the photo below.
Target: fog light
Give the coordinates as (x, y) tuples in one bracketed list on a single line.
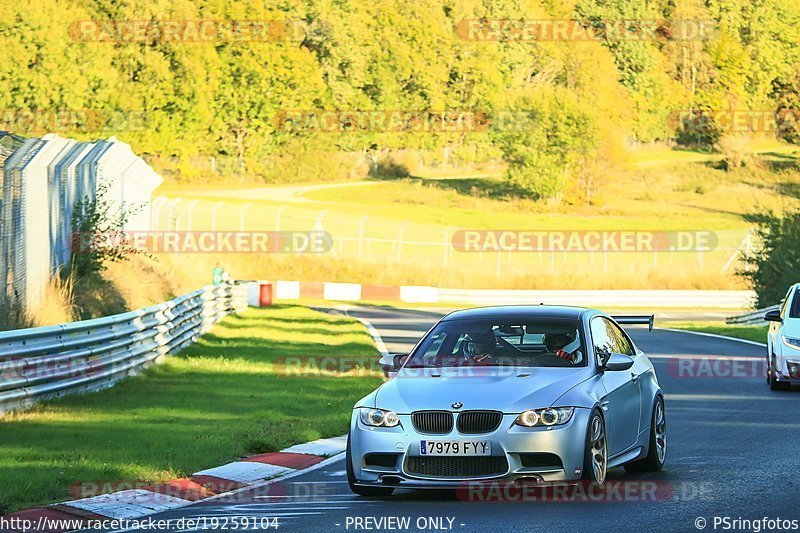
[(794, 369)]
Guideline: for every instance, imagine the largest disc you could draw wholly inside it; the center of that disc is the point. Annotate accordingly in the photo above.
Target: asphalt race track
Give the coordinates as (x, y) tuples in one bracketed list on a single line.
[(733, 451)]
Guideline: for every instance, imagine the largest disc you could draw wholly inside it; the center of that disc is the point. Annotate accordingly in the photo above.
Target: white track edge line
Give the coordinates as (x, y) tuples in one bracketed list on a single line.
[(715, 336)]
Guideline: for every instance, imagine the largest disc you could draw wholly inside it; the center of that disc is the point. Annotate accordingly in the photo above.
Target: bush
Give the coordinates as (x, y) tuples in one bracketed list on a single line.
[(772, 266), (697, 130), (98, 236), (735, 152)]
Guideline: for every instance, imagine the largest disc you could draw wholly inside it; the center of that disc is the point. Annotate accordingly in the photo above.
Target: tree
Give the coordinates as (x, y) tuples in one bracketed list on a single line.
[(550, 135), (772, 266)]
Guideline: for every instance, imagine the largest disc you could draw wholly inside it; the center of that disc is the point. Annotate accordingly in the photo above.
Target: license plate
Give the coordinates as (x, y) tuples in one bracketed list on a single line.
[(455, 448)]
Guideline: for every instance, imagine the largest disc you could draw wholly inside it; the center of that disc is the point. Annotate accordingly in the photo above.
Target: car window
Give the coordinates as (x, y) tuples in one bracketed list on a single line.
[(785, 303), (529, 342), (622, 343), (601, 340), (794, 311), (608, 338)]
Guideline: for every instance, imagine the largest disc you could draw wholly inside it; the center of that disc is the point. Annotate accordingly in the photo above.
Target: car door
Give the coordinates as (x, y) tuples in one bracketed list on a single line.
[(622, 403)]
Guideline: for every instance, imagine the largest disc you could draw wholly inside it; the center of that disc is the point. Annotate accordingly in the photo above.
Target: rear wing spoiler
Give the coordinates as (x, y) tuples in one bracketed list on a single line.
[(635, 319)]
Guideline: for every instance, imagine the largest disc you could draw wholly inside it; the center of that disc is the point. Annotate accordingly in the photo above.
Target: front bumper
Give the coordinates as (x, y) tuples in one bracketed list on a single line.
[(508, 441), (784, 371)]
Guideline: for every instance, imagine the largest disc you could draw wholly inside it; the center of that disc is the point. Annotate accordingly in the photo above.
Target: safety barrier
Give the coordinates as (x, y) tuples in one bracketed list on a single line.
[(42, 180), (754, 317), (53, 361)]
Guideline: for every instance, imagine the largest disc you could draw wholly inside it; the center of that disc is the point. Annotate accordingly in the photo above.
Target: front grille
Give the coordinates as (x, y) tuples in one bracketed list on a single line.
[(457, 466), (474, 422), (434, 422)]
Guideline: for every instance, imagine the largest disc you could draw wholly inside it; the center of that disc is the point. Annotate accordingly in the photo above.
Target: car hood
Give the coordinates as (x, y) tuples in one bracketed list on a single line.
[(506, 389)]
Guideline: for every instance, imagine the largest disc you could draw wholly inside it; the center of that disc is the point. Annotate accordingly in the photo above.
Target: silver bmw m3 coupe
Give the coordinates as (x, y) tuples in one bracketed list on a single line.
[(513, 393)]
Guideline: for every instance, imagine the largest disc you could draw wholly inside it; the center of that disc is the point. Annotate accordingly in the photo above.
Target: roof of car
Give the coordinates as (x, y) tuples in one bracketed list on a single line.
[(516, 311)]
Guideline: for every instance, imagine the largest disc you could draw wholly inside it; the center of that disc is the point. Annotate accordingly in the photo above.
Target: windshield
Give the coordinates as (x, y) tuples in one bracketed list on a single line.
[(534, 343), (794, 311)]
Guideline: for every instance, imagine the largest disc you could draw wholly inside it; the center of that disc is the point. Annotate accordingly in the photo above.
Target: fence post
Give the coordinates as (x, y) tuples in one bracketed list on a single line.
[(190, 217), (278, 218), (361, 236), (245, 207), (400, 243), (172, 215), (445, 249), (155, 211), (214, 215)]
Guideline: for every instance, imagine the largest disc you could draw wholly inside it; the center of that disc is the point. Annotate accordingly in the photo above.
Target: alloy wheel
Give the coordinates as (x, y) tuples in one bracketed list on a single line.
[(598, 449), (661, 432)]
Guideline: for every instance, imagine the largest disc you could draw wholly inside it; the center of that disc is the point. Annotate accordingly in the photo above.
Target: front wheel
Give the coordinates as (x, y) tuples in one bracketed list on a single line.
[(595, 459), (657, 450), (769, 368), (367, 492)]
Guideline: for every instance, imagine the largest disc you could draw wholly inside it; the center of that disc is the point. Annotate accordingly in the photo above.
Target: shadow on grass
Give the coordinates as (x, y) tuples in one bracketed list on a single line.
[(781, 161), (789, 188), (267, 350), (492, 188), (481, 187)]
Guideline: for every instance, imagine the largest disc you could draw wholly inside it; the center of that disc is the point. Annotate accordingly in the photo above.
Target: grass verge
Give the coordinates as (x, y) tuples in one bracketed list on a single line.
[(750, 333), (227, 396)]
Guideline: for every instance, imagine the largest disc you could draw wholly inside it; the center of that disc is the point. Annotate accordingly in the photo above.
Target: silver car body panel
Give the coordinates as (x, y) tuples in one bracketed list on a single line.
[(626, 399)]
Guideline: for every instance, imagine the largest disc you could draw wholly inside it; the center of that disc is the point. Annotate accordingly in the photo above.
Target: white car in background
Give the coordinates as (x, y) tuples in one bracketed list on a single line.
[(783, 342)]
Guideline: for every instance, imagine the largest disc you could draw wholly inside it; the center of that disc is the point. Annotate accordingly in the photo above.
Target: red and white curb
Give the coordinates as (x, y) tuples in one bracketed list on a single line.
[(736, 301), (134, 503)]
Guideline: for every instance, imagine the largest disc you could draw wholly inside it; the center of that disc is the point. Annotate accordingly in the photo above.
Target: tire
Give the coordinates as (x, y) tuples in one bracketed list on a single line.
[(595, 455), (769, 368), (367, 492), (774, 384), (657, 448)]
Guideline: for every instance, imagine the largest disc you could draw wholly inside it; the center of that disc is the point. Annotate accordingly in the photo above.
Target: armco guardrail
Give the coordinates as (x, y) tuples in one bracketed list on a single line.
[(754, 317), (52, 361)]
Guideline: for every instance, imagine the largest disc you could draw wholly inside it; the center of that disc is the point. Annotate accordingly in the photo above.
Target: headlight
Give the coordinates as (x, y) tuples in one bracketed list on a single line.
[(790, 342), (378, 417), (552, 416)]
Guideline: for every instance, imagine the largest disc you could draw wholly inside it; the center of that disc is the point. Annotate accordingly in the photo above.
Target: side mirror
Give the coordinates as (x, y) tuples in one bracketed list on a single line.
[(618, 361), (773, 316), (392, 362)]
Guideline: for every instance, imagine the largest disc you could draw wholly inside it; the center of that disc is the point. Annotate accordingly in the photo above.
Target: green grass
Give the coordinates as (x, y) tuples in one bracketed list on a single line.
[(683, 191), (750, 333), (223, 398)]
